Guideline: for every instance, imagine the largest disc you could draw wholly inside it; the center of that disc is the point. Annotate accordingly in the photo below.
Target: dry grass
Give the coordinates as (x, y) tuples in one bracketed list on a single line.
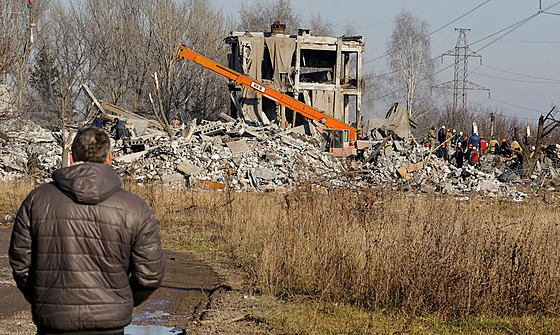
[(408, 253), (414, 254)]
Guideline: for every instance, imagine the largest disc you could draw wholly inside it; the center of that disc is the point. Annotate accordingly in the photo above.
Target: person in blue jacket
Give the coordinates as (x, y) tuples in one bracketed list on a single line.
[(475, 141)]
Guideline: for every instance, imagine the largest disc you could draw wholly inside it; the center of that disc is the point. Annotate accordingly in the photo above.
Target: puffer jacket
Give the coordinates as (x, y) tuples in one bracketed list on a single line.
[(84, 251)]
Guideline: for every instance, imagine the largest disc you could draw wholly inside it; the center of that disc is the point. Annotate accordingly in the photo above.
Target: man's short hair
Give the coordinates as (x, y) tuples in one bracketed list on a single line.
[(91, 145)]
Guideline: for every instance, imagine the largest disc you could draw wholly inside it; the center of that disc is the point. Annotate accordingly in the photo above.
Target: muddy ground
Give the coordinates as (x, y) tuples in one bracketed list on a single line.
[(193, 298)]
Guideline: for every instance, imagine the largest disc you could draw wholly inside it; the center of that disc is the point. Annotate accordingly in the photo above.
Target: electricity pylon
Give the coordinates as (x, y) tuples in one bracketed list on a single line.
[(460, 83)]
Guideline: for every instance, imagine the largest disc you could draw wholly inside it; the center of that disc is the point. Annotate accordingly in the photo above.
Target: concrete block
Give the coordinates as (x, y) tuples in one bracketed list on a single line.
[(133, 157), (189, 169), (237, 147), (175, 179), (266, 174)]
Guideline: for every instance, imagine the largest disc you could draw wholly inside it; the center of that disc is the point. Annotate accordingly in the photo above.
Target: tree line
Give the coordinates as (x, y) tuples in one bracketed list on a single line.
[(115, 47)]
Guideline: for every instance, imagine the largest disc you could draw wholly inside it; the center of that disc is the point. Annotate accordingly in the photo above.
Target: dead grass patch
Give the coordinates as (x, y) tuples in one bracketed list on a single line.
[(413, 253), (442, 265)]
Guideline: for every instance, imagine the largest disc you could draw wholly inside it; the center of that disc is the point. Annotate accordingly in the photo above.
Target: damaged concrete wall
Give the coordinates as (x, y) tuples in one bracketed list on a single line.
[(319, 71)]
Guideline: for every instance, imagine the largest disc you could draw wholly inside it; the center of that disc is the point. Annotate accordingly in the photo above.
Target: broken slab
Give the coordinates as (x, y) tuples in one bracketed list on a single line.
[(238, 147), (189, 169), (129, 158), (173, 179), (266, 174)]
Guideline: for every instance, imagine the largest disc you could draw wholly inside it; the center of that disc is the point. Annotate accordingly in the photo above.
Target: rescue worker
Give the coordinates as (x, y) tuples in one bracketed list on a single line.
[(475, 141), (474, 149), (460, 151), (453, 138), (532, 153), (504, 148), (458, 139), (448, 139), (493, 147), (443, 152), (483, 145), (441, 135), (464, 143), (469, 154), (432, 137), (515, 145), (425, 142), (98, 121), (448, 136)]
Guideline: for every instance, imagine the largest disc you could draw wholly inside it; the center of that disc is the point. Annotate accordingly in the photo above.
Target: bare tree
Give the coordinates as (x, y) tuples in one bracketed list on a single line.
[(259, 15), (320, 26), (115, 47), (194, 91), (14, 52), (139, 38), (409, 57), (528, 157), (73, 61)]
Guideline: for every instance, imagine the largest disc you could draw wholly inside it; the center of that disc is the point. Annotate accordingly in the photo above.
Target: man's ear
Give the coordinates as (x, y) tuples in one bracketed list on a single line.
[(109, 158), (72, 158)]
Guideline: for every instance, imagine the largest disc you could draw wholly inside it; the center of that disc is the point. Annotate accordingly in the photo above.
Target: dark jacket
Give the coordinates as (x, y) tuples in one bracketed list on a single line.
[(84, 251), (441, 135), (475, 141)]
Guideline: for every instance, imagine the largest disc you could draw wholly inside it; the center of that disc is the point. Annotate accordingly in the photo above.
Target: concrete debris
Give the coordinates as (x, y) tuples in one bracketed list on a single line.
[(238, 147), (233, 155)]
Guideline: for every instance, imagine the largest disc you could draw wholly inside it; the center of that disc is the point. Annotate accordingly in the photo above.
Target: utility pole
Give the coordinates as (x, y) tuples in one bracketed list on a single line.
[(491, 125), (460, 83), (32, 24), (27, 45)]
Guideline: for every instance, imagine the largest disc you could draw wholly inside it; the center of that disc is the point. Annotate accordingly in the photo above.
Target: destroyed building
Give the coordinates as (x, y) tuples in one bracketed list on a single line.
[(254, 150), (323, 72)]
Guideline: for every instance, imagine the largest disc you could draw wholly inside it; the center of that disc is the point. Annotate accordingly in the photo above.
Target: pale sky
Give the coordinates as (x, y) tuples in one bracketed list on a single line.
[(520, 69)]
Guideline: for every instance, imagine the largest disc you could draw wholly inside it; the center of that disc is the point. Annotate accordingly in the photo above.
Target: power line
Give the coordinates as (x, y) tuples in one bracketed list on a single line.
[(517, 106), (508, 30), (519, 74), (460, 17), (521, 41), (435, 31), (517, 80), (389, 20)]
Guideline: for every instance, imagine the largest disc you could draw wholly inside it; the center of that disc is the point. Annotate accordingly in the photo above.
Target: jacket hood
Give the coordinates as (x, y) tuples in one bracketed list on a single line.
[(87, 183)]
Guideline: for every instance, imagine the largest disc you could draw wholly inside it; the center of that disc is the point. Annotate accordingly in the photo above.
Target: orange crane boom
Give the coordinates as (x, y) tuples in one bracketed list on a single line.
[(283, 99)]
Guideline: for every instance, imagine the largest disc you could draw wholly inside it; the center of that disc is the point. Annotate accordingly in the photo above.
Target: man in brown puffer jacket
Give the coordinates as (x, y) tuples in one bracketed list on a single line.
[(84, 251)]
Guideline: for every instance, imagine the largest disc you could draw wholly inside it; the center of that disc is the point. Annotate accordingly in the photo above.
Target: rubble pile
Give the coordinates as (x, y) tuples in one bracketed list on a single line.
[(232, 155), (415, 168), (274, 159), (33, 151)]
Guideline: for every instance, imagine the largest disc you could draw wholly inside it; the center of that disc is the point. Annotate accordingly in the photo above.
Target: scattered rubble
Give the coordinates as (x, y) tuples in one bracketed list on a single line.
[(233, 155)]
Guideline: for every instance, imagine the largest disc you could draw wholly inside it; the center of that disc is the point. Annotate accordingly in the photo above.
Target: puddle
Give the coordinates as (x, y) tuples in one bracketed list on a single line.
[(151, 315), (153, 311), (150, 330)]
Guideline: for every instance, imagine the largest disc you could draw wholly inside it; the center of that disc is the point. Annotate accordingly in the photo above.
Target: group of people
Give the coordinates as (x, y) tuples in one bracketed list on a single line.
[(118, 128), (448, 143)]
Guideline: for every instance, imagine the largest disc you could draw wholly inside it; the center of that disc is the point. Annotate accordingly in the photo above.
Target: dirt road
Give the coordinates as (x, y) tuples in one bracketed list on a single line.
[(188, 301)]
